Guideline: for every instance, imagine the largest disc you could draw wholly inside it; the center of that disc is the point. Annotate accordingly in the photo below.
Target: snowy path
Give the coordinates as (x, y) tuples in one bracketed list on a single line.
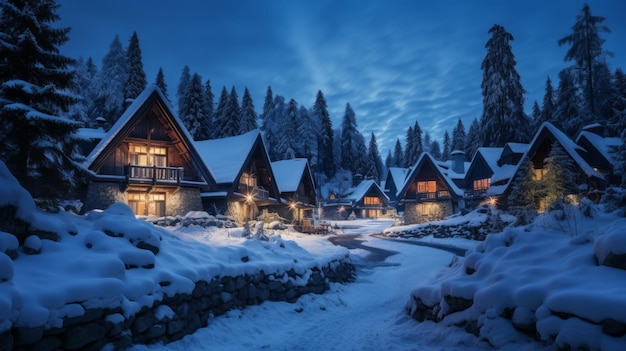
[(364, 315)]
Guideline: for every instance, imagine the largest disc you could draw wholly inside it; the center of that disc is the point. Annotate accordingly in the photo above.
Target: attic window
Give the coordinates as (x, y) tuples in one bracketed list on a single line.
[(371, 200), (429, 186), (481, 184)]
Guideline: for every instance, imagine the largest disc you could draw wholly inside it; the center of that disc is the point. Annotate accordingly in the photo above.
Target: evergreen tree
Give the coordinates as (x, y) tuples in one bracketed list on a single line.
[(38, 144), (398, 155), (445, 155), (409, 148), (617, 123), (109, 102), (388, 160), (589, 59), (209, 107), (374, 162), (248, 116), (547, 108), (82, 85), (337, 153), (272, 127), (325, 137), (566, 113), (194, 117), (473, 139), (561, 178), (219, 118), (503, 119), (183, 87), (348, 140), (160, 82), (307, 136), (136, 82), (232, 115), (435, 150), (536, 117), (523, 187), (361, 160), (418, 145), (458, 137), (289, 132), (268, 104), (427, 142)]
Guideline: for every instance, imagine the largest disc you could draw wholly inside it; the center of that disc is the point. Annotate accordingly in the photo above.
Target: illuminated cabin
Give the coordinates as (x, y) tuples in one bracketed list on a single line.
[(297, 189), (366, 200), (393, 182), (428, 194), (245, 182), (488, 177), (148, 161)]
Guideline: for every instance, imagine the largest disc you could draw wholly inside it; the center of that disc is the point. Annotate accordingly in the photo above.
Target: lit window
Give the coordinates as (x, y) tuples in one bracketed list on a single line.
[(540, 173), (371, 200), (141, 155), (481, 184), (429, 186)]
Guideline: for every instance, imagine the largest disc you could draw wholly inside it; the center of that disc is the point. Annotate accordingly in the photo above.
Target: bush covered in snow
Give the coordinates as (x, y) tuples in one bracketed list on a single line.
[(195, 218)]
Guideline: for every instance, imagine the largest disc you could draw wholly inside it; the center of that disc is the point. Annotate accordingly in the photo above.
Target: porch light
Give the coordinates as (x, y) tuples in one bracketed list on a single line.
[(292, 206), (249, 198), (491, 201)]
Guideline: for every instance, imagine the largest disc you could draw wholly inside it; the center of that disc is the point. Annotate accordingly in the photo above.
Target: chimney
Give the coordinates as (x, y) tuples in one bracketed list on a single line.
[(458, 161)]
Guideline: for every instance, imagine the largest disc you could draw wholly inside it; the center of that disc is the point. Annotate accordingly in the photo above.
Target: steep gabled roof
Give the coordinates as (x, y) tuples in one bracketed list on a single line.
[(289, 174), (397, 175), (518, 148), (568, 145), (606, 146), (359, 191), (150, 98), (225, 157), (426, 160)]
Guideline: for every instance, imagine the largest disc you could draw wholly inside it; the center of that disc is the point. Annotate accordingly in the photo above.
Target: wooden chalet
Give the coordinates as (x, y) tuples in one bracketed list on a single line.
[(428, 194), (297, 189), (393, 182), (488, 177), (601, 153), (366, 200), (244, 179), (147, 160)]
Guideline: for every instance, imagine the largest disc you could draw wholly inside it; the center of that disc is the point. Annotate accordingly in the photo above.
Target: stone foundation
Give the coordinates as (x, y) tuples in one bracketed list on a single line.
[(102, 195), (175, 316), (415, 213)]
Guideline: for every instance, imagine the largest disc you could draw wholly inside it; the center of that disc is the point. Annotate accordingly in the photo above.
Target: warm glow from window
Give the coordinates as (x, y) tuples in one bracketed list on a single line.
[(371, 200), (247, 179), (141, 155), (136, 197), (429, 186), (540, 173), (156, 197), (481, 184)]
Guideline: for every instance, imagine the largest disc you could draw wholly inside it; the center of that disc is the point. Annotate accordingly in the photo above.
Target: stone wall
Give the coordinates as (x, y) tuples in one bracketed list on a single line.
[(103, 194), (183, 201), (175, 316), (422, 212)]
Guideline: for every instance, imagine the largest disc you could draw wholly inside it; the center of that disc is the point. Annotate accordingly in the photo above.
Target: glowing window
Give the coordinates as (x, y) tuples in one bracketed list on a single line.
[(481, 184), (429, 186), (371, 200)]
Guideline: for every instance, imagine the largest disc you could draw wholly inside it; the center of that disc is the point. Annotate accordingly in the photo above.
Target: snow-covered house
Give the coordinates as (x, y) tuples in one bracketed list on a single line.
[(242, 170), (539, 151), (297, 188), (147, 160), (428, 194), (393, 182), (512, 153), (366, 200), (601, 153), (488, 176)]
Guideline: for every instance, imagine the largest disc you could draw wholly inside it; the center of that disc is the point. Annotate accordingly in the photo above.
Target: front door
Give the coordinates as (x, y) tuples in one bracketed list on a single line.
[(143, 204)]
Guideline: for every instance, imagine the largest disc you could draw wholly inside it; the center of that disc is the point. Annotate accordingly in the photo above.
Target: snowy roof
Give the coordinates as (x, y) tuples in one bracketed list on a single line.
[(398, 175), (90, 133), (606, 146), (491, 156), (518, 148), (225, 157), (569, 146), (424, 157), (289, 173), (359, 191), (448, 169)]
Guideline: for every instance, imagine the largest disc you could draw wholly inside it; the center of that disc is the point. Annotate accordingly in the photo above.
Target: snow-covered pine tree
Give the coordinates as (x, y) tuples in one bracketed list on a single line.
[(435, 150), (566, 113), (286, 146), (360, 151), (183, 87), (398, 155), (348, 139), (84, 75), (445, 154), (458, 137), (209, 107), (325, 137), (337, 150), (418, 145), (232, 115), (38, 144), (219, 118), (272, 127), (409, 157), (535, 121), (427, 142), (617, 122), (194, 116), (248, 116), (307, 136), (160, 82), (561, 178), (374, 162), (472, 142), (388, 160), (523, 187), (503, 119), (136, 82), (547, 107), (268, 104), (109, 102), (589, 61)]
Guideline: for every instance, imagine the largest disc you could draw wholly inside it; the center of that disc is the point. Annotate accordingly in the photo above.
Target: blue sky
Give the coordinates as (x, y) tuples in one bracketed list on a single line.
[(394, 61)]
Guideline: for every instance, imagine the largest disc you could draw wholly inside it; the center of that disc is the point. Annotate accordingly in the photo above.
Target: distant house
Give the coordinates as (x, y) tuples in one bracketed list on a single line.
[(601, 153), (488, 176), (147, 160), (366, 200), (512, 153), (428, 194), (297, 188), (244, 180), (393, 182)]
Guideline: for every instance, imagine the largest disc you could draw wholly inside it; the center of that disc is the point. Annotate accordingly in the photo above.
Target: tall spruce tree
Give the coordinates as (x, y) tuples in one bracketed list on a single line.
[(561, 177), (388, 160), (374, 163), (232, 115), (524, 192), (268, 103), (219, 117), (183, 87), (348, 139), (427, 142), (82, 85), (536, 117), (136, 82), (209, 107), (409, 148), (38, 144), (435, 150), (458, 137), (325, 137), (194, 116), (547, 107), (617, 123), (160, 82), (473, 139), (113, 76), (248, 116), (398, 155), (287, 143), (307, 136), (272, 127), (503, 119), (566, 112), (589, 61), (445, 154)]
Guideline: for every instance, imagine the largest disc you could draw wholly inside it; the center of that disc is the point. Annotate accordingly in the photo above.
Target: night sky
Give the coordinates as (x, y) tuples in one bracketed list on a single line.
[(394, 61)]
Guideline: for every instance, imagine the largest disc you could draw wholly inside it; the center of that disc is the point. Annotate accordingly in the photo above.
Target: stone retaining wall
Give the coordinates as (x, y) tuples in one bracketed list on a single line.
[(175, 316)]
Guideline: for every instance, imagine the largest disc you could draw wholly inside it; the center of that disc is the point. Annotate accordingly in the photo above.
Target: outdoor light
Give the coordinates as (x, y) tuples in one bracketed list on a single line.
[(249, 198), (292, 206), (491, 201)]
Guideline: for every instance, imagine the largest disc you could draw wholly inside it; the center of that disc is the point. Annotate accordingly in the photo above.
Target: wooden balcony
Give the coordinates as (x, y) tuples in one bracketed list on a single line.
[(433, 196), (256, 192), (154, 174), (475, 193)]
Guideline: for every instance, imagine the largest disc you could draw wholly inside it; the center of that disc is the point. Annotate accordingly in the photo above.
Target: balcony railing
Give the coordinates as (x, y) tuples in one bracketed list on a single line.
[(256, 192), (475, 193), (441, 194), (155, 174)]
